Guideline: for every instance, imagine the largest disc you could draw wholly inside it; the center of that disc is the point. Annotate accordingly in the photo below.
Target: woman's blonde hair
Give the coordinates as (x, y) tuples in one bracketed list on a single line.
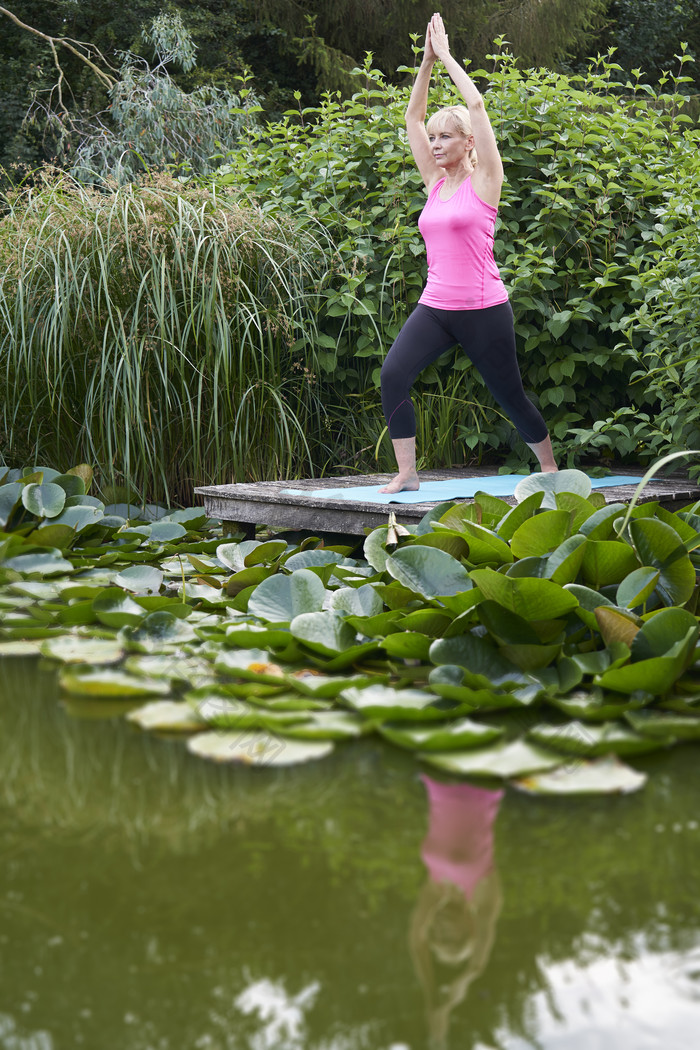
[(457, 118)]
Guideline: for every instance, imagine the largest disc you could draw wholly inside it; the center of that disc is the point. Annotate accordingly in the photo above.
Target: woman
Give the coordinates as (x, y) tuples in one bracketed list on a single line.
[(464, 300)]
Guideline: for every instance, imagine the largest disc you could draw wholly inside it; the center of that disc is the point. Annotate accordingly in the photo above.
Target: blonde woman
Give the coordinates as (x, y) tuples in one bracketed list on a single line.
[(464, 300)]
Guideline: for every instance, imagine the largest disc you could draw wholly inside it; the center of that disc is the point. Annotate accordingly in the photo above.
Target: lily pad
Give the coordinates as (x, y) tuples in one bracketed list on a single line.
[(172, 716), (575, 738), (561, 481), (428, 571), (462, 733), (71, 649), (280, 598), (140, 579), (382, 703), (502, 760), (257, 748), (108, 683), (605, 776), (45, 500)]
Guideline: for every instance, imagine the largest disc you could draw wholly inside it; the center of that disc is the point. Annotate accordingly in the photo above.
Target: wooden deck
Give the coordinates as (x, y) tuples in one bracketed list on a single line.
[(265, 502)]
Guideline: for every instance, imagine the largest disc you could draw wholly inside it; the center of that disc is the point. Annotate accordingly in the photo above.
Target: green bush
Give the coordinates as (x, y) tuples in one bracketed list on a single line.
[(594, 242)]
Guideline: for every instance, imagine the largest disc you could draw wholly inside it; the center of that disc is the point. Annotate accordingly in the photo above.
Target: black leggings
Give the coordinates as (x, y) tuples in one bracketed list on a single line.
[(486, 336)]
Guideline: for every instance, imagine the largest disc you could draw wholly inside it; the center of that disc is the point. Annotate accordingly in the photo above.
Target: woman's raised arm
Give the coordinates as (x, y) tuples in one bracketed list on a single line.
[(415, 118)]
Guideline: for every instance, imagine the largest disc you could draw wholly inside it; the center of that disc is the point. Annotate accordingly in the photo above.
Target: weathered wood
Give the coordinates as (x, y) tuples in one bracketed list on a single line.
[(265, 502)]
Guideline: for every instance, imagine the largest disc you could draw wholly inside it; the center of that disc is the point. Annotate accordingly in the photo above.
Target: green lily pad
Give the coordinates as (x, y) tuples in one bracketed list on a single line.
[(160, 630), (20, 647), (140, 579), (407, 645), (39, 561), (257, 748), (637, 587), (428, 571), (71, 649), (607, 562), (502, 760), (252, 664), (171, 716), (325, 725), (532, 599), (448, 736), (658, 545), (657, 724), (116, 609), (562, 481), (382, 703), (593, 740), (314, 684), (45, 500), (324, 632), (541, 534), (105, 682), (605, 776), (357, 601), (280, 598)]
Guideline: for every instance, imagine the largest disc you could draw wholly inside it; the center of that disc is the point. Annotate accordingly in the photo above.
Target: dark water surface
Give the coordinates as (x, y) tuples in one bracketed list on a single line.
[(151, 901)]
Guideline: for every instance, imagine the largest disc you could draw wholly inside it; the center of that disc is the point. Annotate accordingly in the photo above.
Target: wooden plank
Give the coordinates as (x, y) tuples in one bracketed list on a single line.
[(266, 503)]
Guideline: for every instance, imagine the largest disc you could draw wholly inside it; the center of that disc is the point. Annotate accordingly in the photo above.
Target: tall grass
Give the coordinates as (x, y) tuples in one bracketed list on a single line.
[(165, 333)]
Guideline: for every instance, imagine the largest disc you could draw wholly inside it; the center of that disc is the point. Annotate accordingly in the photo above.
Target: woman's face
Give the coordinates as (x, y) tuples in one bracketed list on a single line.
[(449, 146)]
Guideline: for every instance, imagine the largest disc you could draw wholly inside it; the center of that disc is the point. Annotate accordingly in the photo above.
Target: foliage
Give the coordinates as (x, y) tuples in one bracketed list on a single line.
[(493, 641), (592, 233), (167, 333)]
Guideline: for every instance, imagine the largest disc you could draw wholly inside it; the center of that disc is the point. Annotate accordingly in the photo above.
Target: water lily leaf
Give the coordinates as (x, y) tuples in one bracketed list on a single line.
[(637, 587), (170, 716), (484, 666), (325, 632), (190, 670), (593, 705), (279, 598), (79, 518), (357, 601), (662, 631), (159, 629), (456, 515), (375, 550), (116, 609), (253, 635), (60, 536), (580, 508), (656, 675), (588, 601), (166, 531), (614, 655), (10, 497), (428, 571), (610, 738), (140, 579), (564, 564), (20, 647), (508, 526), (40, 561), (85, 472), (605, 776), (71, 649), (658, 545), (313, 559), (407, 645), (257, 748), (448, 736), (253, 664), (607, 562), (493, 510), (72, 484), (561, 481), (235, 713), (617, 625), (541, 534), (502, 760), (657, 724), (532, 599), (326, 725), (382, 703), (315, 684), (485, 547), (109, 682), (427, 621), (266, 552), (453, 543), (45, 500)]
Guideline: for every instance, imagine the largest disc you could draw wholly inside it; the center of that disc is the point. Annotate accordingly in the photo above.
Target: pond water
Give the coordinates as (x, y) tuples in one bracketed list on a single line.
[(149, 900)]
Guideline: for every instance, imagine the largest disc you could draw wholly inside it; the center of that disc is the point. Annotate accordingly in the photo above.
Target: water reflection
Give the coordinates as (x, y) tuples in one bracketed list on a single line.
[(454, 922)]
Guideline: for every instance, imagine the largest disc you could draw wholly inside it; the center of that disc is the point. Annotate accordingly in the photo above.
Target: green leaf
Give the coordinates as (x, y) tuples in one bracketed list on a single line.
[(324, 632), (167, 716), (656, 675), (105, 682), (532, 599), (448, 736), (520, 513), (70, 649), (255, 748), (564, 564), (428, 571), (407, 645), (656, 724), (45, 500), (637, 587), (605, 776), (561, 481), (659, 546), (606, 562), (140, 579), (502, 760), (575, 738), (382, 703), (116, 609), (541, 534), (279, 599), (10, 497), (357, 601), (325, 725)]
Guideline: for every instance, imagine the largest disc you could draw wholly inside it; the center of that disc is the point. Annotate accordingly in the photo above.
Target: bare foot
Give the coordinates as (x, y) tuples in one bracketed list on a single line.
[(403, 483)]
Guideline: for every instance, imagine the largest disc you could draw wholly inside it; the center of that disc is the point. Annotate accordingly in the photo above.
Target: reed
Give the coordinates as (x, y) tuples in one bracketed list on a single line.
[(164, 333)]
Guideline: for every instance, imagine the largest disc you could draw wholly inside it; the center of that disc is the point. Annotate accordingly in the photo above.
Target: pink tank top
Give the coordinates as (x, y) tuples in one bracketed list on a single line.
[(458, 235)]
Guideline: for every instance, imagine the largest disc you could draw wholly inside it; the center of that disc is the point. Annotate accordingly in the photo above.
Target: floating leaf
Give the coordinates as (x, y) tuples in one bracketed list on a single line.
[(407, 645), (116, 609), (325, 725), (382, 703), (448, 736), (428, 571), (575, 738), (550, 483), (637, 587), (529, 598), (20, 647), (657, 724), (659, 546), (501, 760), (279, 599), (605, 776), (70, 649), (140, 579), (357, 601), (541, 534), (45, 500), (606, 562), (91, 682), (257, 749), (617, 625), (167, 716), (39, 561)]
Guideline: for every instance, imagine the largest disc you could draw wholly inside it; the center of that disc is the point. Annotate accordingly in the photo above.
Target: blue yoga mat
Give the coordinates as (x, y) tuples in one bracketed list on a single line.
[(439, 491)]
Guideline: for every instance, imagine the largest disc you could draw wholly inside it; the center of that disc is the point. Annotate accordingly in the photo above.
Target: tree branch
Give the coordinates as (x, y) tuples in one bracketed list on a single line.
[(71, 45)]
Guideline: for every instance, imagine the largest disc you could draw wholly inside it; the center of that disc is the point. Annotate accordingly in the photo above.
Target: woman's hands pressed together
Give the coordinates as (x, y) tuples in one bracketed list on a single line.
[(437, 35)]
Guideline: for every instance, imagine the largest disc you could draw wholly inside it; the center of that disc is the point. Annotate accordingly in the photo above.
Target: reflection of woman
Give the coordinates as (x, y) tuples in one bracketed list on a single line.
[(453, 923), (464, 300)]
